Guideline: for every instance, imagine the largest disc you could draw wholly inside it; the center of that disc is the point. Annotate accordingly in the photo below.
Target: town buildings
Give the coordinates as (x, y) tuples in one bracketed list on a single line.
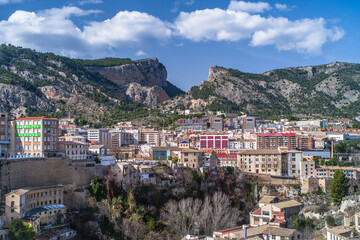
[(266, 232), (274, 212)]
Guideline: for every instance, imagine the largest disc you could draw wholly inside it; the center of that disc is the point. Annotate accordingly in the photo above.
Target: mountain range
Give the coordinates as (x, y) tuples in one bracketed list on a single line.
[(113, 89), (324, 90)]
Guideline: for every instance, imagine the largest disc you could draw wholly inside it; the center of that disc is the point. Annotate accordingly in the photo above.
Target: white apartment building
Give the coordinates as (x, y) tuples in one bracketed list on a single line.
[(100, 136), (122, 137), (242, 144)]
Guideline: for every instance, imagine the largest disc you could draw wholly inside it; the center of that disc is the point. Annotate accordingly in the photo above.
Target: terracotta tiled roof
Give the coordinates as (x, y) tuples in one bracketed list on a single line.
[(34, 118)]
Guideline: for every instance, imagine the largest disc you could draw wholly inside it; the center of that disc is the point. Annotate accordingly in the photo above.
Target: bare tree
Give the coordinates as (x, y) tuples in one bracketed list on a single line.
[(181, 216), (132, 229), (192, 216), (217, 213)]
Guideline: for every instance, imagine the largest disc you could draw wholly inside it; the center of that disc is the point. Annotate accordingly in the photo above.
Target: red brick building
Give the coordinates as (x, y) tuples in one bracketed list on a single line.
[(275, 140)]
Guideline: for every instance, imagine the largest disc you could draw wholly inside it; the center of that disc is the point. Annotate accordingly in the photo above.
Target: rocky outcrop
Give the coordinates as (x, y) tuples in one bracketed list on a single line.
[(16, 99), (148, 95), (147, 72)]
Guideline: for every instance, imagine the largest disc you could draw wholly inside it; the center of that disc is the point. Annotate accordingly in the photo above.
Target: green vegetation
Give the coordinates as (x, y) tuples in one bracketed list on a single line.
[(80, 121), (343, 147), (302, 224), (97, 189), (338, 187), (356, 125), (319, 191), (197, 177), (97, 160), (230, 170), (204, 93), (104, 62), (358, 189), (175, 160), (330, 221), (33, 112), (19, 231), (224, 105), (247, 76), (316, 161), (166, 119)]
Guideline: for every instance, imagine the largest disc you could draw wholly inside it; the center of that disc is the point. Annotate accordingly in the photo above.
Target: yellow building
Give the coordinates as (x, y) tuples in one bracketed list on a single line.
[(191, 158), (20, 203), (265, 161)]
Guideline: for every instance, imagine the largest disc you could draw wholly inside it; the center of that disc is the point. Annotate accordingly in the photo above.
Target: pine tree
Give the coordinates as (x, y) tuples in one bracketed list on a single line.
[(338, 187)]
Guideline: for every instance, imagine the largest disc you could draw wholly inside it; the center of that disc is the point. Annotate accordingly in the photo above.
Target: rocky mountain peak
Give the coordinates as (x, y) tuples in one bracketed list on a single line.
[(216, 71), (147, 72)]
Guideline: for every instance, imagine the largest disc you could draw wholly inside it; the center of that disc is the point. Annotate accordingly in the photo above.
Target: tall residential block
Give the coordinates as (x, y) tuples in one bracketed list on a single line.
[(100, 136), (34, 136), (249, 122), (276, 140)]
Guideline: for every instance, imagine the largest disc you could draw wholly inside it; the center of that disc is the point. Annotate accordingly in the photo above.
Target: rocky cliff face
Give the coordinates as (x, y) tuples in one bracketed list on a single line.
[(15, 99), (147, 72), (148, 95)]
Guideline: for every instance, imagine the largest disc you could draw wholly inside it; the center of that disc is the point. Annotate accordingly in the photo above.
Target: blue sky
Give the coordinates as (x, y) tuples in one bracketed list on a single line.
[(189, 36)]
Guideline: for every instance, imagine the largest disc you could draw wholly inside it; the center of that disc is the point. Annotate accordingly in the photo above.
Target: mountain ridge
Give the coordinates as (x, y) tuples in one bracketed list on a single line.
[(328, 89), (115, 89)]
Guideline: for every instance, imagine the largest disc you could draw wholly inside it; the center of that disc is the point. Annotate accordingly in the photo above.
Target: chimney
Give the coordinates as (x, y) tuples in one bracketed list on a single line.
[(245, 227), (347, 220)]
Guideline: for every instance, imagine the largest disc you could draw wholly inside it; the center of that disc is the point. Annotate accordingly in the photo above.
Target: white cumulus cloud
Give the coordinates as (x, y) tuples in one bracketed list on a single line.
[(281, 6), (303, 35), (84, 2), (217, 24), (126, 27), (2, 2), (140, 53), (251, 7), (53, 30)]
